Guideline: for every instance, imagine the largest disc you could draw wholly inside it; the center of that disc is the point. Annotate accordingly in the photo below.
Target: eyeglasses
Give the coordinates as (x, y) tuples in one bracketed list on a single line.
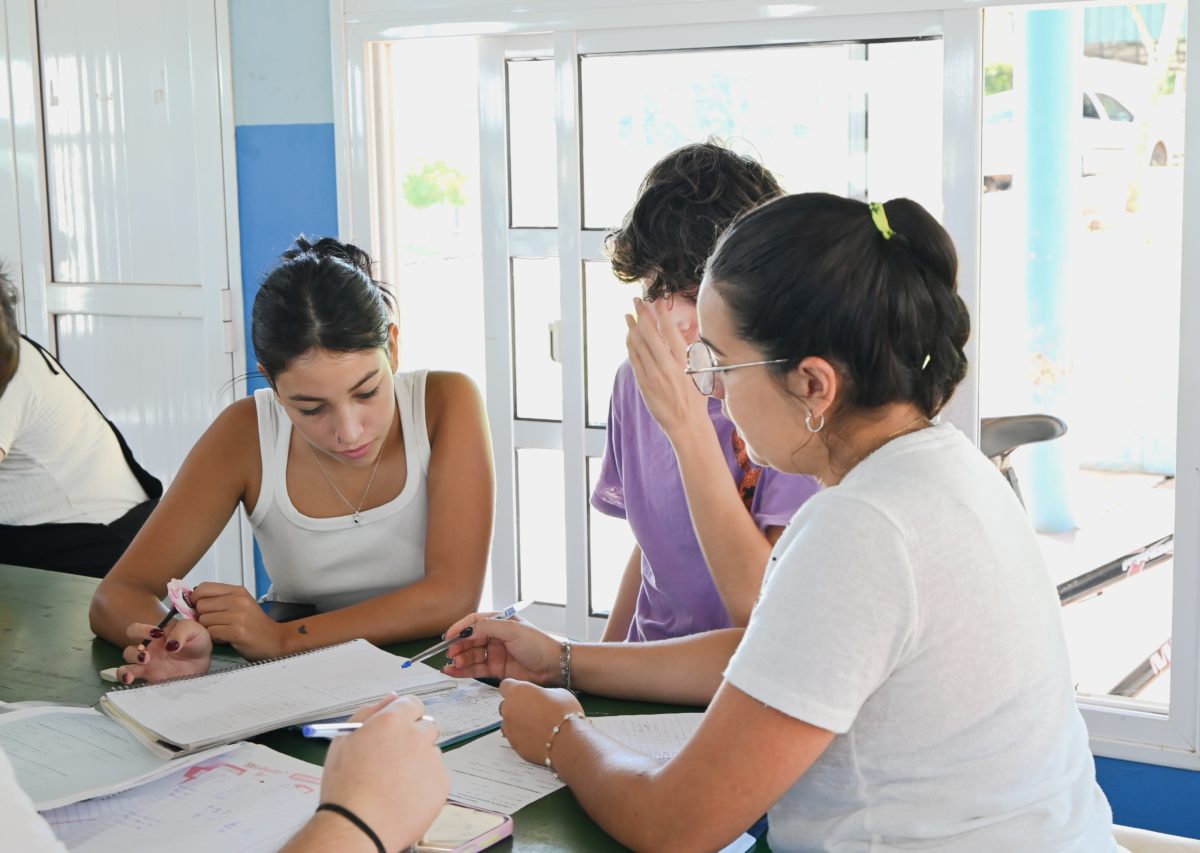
[(703, 368)]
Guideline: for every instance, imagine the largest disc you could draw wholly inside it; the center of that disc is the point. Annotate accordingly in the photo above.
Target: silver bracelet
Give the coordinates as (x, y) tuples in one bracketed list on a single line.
[(564, 664), (575, 715)]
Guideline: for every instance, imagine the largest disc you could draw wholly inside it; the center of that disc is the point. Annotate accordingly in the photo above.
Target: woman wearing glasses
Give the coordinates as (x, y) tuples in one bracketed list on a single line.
[(903, 682), (703, 513)]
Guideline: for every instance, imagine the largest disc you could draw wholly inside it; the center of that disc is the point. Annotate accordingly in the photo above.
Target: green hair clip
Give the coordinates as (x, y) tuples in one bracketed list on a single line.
[(879, 217)]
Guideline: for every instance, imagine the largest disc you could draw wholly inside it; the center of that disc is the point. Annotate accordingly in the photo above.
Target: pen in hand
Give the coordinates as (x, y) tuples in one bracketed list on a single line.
[(329, 730), (332, 730), (437, 648)]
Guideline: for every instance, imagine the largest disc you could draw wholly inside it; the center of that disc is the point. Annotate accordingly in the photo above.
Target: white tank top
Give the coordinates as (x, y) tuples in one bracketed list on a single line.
[(333, 562)]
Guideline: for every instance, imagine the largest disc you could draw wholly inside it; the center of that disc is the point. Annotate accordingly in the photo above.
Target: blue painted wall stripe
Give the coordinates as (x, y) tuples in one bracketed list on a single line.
[(286, 186), (1163, 799)]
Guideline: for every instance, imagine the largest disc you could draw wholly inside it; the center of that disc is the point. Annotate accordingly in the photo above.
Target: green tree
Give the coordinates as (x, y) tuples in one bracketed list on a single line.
[(997, 77), (434, 183)]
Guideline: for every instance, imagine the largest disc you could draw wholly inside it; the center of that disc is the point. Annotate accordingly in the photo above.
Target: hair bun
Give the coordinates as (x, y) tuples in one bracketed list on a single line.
[(328, 247)]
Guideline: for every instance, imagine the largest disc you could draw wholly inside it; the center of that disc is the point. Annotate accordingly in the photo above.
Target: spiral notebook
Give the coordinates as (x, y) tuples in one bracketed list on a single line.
[(188, 714)]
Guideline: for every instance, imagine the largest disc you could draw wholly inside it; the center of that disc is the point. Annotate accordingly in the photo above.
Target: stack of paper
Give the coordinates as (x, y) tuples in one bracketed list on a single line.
[(62, 755), (489, 774), (189, 714), (251, 799)]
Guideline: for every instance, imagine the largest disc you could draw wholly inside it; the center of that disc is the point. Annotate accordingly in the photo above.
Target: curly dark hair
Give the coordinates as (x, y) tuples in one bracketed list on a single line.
[(684, 204)]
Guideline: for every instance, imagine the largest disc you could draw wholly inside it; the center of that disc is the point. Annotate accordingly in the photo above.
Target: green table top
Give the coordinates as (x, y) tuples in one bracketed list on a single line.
[(48, 652)]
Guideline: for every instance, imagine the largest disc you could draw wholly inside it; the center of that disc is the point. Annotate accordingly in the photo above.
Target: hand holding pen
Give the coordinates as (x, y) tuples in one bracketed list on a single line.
[(453, 637), (156, 656), (504, 648), (333, 730)]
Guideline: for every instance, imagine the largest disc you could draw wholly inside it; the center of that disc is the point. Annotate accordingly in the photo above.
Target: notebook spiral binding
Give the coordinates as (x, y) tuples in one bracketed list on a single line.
[(211, 674)]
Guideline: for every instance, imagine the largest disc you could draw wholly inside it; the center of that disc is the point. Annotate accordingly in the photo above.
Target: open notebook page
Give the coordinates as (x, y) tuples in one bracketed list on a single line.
[(231, 705)]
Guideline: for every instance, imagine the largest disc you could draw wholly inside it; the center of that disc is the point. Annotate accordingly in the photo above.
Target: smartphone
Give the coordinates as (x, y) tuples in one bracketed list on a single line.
[(286, 611), (462, 829)]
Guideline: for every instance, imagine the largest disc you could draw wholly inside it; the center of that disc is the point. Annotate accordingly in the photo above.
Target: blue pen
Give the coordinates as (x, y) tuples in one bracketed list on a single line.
[(437, 648), (329, 730), (332, 730)]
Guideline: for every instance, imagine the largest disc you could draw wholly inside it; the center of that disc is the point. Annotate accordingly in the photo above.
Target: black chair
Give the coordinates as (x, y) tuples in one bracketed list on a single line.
[(998, 437)]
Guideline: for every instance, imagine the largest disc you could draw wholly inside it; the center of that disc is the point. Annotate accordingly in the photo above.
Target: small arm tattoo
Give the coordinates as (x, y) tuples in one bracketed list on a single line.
[(303, 629)]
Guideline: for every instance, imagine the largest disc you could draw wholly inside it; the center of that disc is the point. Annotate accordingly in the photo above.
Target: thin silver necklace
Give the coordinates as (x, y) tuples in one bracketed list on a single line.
[(356, 510)]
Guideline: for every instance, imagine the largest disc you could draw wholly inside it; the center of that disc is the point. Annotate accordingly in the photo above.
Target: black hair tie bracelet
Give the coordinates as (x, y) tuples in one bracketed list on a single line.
[(357, 821)]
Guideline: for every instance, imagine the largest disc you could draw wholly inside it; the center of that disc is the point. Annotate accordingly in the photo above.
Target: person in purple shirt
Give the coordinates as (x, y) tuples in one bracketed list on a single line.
[(704, 516)]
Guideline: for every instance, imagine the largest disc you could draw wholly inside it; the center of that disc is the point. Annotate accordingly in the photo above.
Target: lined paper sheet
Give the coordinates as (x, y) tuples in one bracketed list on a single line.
[(468, 709), (251, 800), (660, 736), (65, 754), (489, 774)]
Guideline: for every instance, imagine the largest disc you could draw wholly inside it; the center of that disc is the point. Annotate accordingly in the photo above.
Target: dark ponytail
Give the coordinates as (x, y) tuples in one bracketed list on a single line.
[(321, 297), (814, 275)]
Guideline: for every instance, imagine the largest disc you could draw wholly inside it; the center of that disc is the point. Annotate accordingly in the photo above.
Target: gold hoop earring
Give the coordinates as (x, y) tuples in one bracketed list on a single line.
[(809, 423)]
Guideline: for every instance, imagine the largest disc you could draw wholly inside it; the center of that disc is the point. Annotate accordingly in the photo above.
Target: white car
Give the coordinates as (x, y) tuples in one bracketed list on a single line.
[(1108, 135)]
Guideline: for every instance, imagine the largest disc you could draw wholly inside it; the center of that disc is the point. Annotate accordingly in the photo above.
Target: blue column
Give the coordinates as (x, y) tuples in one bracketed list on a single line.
[(283, 113), (1050, 89)]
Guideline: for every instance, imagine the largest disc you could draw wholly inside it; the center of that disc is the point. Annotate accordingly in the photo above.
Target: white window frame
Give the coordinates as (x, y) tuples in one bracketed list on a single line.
[(568, 28)]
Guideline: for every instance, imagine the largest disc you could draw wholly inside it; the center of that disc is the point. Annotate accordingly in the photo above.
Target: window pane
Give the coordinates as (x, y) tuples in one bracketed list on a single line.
[(1080, 289), (535, 308), (541, 527), (610, 542), (430, 249), (812, 137), (904, 122), (607, 302), (532, 149)]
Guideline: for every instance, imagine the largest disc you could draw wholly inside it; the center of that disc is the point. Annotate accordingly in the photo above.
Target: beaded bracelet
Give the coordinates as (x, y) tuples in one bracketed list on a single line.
[(574, 715), (564, 664)]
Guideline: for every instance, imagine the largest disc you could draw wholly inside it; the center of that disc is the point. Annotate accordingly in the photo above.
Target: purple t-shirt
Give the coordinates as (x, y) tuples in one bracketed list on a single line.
[(640, 481)]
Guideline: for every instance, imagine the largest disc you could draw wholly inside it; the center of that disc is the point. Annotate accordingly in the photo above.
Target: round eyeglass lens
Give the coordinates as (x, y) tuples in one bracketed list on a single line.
[(700, 357)]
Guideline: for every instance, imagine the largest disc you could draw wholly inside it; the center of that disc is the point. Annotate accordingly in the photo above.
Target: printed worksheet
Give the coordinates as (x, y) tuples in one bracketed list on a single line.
[(251, 799), (470, 708), (660, 736), (489, 774), (63, 754)]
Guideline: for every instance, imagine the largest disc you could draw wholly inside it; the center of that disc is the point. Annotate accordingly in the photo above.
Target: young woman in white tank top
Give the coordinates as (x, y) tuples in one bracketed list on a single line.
[(371, 492)]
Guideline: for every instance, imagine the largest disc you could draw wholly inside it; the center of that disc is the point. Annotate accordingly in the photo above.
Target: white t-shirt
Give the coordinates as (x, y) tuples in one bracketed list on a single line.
[(62, 462), (909, 611), (24, 829)]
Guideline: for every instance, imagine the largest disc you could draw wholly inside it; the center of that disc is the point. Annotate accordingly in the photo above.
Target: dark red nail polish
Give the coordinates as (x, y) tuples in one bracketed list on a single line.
[(141, 657), (173, 646), (156, 633)]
